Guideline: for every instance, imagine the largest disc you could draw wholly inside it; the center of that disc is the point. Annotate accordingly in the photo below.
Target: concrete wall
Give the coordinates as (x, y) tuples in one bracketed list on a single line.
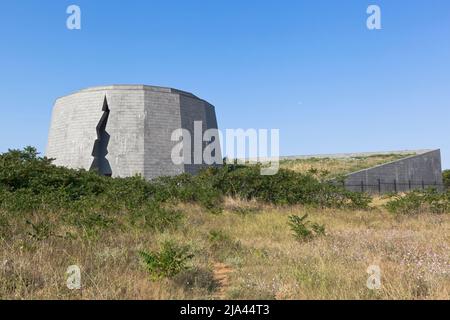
[(192, 110), (73, 129), (140, 124), (414, 172), (162, 118)]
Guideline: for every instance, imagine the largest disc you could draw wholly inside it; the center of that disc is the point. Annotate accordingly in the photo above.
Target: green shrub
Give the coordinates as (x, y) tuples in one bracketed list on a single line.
[(26, 170), (168, 262), (92, 203), (285, 187), (446, 178), (187, 188), (129, 193), (42, 185), (305, 230), (420, 201)]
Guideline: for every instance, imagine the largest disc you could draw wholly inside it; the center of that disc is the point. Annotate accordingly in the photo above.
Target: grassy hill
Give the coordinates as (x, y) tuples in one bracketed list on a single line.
[(227, 233), (333, 167)]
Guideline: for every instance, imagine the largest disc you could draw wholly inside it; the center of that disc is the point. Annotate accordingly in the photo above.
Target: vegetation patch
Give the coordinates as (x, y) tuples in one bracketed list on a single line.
[(446, 178), (420, 202), (53, 217), (30, 183)]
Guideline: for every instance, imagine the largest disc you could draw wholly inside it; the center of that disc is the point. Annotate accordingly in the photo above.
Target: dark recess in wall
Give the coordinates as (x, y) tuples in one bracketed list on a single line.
[(100, 163)]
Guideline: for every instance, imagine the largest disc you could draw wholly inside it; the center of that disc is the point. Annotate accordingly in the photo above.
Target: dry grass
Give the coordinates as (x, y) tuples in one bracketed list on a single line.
[(256, 257), (339, 166)]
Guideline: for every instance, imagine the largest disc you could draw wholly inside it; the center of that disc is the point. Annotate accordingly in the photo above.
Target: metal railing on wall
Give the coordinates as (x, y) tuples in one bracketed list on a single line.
[(394, 186)]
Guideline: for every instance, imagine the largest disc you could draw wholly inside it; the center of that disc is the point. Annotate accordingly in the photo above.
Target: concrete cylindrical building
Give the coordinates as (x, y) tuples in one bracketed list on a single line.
[(124, 130)]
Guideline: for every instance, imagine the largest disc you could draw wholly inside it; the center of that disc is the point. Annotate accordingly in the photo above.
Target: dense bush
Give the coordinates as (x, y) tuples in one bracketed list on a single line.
[(187, 188), (26, 170), (420, 201), (29, 182), (286, 187), (85, 200), (89, 203), (446, 177)]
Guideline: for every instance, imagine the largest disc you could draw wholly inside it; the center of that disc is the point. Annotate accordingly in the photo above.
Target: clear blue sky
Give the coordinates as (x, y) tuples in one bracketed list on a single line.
[(310, 68)]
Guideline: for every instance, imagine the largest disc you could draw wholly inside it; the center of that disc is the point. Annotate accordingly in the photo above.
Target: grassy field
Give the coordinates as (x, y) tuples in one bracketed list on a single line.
[(245, 251)]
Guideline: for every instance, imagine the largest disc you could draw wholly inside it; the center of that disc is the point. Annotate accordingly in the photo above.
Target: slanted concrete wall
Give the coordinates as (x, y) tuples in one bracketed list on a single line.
[(141, 121), (414, 172)]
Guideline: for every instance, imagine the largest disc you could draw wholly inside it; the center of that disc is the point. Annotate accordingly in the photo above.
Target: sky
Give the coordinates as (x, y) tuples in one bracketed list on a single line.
[(311, 69)]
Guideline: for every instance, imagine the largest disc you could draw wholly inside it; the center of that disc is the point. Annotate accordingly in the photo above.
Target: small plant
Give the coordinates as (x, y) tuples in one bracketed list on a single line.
[(319, 229), (168, 262), (305, 230)]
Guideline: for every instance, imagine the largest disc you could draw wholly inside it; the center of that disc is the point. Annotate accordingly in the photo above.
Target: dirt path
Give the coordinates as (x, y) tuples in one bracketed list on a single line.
[(221, 275)]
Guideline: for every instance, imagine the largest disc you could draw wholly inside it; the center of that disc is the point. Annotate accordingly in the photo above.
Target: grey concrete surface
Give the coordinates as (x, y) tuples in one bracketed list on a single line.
[(414, 172)]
